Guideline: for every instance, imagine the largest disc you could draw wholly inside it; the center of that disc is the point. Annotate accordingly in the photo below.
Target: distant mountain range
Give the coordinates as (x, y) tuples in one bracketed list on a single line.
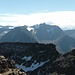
[(53, 34), (4, 30), (46, 32), (71, 33), (42, 33)]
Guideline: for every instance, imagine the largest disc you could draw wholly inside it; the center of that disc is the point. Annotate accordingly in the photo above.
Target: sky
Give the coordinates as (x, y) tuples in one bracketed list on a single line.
[(31, 12)]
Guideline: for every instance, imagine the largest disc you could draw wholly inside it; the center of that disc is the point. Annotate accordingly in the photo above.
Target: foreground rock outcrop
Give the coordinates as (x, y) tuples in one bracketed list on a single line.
[(65, 64), (7, 67)]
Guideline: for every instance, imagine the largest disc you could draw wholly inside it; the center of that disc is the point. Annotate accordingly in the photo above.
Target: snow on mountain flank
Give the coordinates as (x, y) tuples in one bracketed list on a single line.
[(32, 67)]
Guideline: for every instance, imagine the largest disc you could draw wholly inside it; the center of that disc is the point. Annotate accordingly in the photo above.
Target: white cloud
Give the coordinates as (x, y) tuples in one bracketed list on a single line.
[(60, 18)]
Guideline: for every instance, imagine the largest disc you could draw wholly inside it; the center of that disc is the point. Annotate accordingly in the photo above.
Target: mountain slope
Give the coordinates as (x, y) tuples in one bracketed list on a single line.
[(65, 43), (71, 33), (4, 30), (53, 34), (18, 34), (46, 32)]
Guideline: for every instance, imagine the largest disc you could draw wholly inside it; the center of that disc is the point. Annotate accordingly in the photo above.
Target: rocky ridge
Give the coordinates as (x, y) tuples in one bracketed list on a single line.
[(39, 59)]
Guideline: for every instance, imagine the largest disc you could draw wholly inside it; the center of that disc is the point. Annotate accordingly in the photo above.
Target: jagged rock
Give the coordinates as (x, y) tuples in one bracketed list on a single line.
[(7, 67), (2, 57)]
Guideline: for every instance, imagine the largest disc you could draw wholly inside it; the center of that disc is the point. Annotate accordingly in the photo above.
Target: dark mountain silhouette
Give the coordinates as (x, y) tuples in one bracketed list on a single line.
[(18, 34), (47, 32)]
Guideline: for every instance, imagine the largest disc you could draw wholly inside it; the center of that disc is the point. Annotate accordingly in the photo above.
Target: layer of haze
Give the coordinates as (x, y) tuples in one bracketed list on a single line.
[(31, 12), (64, 19)]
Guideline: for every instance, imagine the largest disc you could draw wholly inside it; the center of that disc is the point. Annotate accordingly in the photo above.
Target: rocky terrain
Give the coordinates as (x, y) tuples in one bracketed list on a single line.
[(39, 59), (7, 67), (64, 65), (29, 54)]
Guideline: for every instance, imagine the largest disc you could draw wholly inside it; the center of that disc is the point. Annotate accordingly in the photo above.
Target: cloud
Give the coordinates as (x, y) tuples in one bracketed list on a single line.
[(64, 19)]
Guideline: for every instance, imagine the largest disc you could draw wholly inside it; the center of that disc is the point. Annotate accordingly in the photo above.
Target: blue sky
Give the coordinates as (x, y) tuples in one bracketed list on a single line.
[(31, 12), (35, 6)]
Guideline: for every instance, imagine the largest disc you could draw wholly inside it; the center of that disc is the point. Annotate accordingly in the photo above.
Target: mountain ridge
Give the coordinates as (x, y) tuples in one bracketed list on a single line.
[(39, 59), (42, 33), (17, 35)]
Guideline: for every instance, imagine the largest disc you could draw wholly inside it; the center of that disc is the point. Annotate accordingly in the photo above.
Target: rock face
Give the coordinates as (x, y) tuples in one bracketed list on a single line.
[(71, 33), (47, 32), (5, 64), (7, 67)]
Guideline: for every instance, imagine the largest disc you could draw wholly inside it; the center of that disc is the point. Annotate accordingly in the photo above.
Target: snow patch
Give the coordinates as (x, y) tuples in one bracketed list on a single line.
[(5, 31), (11, 27), (32, 67), (27, 58), (29, 28), (48, 30)]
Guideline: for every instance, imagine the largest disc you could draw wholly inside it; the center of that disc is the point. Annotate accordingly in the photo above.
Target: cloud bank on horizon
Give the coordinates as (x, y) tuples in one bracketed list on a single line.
[(64, 19)]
